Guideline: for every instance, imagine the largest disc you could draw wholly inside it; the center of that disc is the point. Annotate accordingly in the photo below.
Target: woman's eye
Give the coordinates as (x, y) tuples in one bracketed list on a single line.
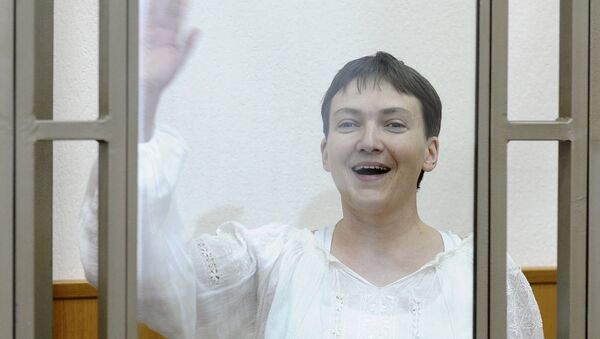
[(396, 125), (347, 124)]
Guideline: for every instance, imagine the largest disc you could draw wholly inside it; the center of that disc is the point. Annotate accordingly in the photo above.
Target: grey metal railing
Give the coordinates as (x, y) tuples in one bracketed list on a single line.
[(6, 166), (116, 132), (571, 131)]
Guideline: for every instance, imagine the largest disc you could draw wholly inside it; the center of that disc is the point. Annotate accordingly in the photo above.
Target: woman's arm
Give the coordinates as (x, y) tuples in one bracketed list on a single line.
[(165, 272), (523, 315), (163, 51)]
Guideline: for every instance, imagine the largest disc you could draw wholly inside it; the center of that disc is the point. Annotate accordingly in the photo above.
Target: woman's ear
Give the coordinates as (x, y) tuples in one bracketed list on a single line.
[(431, 154), (324, 155)]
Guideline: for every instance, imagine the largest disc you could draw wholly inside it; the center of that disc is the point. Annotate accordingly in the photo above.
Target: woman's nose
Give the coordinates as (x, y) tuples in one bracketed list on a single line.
[(370, 140)]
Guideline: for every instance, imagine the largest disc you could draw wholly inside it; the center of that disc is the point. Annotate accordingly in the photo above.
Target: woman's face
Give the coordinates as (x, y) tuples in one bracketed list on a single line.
[(376, 146)]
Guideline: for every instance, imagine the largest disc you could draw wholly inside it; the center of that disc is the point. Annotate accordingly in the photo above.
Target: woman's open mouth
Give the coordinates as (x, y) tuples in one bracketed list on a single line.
[(370, 171)]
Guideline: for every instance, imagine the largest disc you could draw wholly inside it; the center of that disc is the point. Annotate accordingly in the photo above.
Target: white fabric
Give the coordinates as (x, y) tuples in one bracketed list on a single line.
[(277, 281)]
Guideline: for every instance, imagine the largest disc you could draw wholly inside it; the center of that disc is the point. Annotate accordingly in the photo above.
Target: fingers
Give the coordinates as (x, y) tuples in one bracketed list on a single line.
[(173, 14), (166, 14), (151, 10), (190, 43)]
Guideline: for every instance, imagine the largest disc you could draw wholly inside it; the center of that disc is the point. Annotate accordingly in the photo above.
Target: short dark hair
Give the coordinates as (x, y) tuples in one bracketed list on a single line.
[(405, 79)]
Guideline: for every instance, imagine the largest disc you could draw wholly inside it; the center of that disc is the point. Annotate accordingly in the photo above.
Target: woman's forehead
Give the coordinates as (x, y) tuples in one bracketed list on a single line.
[(375, 96)]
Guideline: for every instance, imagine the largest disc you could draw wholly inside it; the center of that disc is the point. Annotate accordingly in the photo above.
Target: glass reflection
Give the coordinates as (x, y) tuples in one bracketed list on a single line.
[(242, 109), (372, 265)]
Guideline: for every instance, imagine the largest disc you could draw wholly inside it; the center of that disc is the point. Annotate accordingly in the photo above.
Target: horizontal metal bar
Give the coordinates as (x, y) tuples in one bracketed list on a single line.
[(561, 130), (73, 130)]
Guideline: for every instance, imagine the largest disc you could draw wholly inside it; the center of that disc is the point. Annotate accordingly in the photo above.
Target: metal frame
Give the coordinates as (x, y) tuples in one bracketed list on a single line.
[(116, 131), (495, 131), (482, 173), (33, 170), (573, 159), (593, 325), (6, 165)]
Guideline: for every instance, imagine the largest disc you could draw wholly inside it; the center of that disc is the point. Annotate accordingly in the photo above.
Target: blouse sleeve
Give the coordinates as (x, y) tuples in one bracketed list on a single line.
[(523, 315), (188, 287), (166, 279), (236, 277)]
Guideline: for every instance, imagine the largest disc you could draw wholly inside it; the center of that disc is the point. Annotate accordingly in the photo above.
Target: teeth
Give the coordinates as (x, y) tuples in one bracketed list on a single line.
[(372, 167)]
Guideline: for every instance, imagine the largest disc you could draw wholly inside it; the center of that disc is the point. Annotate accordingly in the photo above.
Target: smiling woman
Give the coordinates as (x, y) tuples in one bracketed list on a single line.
[(378, 270)]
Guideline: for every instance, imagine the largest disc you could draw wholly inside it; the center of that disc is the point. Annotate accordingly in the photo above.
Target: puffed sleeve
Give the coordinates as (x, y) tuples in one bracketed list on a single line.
[(166, 276), (523, 315), (207, 286), (237, 272)]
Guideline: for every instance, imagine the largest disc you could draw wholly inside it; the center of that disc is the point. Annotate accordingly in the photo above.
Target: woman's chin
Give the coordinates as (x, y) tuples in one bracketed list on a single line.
[(370, 204)]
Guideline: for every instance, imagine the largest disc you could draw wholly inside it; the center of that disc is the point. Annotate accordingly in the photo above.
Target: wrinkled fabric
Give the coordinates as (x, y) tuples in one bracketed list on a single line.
[(277, 281)]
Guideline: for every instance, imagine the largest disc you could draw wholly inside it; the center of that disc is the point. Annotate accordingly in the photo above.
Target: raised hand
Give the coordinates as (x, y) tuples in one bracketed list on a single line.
[(163, 51), (164, 48)]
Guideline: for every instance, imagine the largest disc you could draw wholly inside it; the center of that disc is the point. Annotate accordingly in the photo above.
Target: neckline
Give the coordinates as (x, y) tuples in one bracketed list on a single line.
[(326, 238)]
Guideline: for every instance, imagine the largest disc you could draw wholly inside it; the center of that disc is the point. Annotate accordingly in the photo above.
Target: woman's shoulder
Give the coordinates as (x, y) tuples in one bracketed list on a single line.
[(457, 248), (269, 239)]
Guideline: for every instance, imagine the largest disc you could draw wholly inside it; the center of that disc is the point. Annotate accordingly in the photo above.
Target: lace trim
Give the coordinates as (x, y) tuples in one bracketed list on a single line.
[(336, 332), (414, 306), (524, 319), (209, 262)]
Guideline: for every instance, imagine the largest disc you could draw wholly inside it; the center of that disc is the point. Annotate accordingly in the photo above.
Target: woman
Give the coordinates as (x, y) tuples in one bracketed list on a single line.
[(380, 272)]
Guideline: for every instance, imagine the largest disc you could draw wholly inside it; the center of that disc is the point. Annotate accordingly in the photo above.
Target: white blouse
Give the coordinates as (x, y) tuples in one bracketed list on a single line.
[(277, 281)]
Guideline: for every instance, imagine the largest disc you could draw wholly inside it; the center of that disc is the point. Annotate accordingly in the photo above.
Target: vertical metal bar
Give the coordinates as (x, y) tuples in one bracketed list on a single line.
[(132, 142), (498, 123), (116, 305), (482, 131), (593, 325), (572, 204), (6, 165), (563, 238), (42, 168), (33, 169)]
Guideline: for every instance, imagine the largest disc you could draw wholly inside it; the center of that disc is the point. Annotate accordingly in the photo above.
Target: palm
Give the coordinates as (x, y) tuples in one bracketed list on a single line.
[(163, 49)]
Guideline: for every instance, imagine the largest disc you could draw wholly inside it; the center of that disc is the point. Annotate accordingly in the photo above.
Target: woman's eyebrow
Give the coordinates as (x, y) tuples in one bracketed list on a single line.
[(385, 111), (347, 110), (392, 110)]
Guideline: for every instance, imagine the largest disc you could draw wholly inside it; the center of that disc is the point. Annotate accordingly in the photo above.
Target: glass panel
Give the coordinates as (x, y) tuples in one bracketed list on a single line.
[(532, 195), (533, 60), (247, 105), (74, 218), (75, 60)]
